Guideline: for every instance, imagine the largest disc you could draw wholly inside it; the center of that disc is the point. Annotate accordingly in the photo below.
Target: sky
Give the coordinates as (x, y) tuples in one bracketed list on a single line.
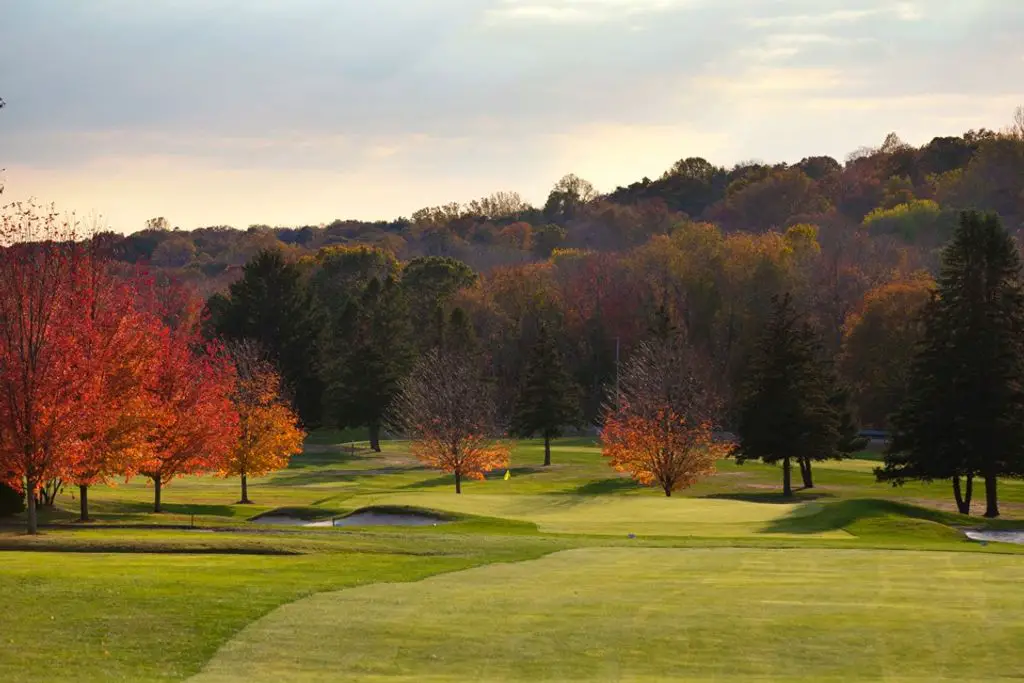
[(294, 112)]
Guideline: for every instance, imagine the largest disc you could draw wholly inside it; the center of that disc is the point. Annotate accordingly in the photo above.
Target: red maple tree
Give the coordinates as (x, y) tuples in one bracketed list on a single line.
[(194, 424), (119, 344), (43, 371)]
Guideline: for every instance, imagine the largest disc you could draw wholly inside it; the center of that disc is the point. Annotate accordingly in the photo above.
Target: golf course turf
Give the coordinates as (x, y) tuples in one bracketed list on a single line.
[(561, 573), (655, 613)]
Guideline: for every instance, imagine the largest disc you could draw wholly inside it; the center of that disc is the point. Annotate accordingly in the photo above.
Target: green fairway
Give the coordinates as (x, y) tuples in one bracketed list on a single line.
[(146, 617), (616, 515), (563, 572), (653, 614)]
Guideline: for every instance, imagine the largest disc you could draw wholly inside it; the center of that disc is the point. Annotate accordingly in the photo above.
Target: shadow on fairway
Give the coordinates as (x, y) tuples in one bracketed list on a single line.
[(769, 497), (448, 480), (612, 485), (444, 481), (146, 507), (866, 516), (327, 476), (315, 457)]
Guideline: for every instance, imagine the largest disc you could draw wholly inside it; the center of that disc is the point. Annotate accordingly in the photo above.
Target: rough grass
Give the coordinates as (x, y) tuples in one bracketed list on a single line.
[(609, 614), (138, 596)]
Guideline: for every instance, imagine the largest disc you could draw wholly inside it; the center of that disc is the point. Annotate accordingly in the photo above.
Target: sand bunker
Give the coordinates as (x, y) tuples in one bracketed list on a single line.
[(360, 518), (376, 518), (997, 536)]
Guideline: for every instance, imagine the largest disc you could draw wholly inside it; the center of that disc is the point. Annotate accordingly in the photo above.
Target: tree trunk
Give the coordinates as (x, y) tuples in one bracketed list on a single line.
[(787, 478), (83, 502), (375, 437), (30, 499), (668, 491), (806, 474), (156, 494), (991, 498), (963, 502), (245, 491), (458, 483), (547, 451)]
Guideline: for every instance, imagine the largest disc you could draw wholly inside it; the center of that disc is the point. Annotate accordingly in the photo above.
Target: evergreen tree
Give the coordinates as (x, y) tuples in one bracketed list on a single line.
[(787, 406), (548, 398), (964, 413), (272, 305), (459, 336), (365, 379), (429, 283)]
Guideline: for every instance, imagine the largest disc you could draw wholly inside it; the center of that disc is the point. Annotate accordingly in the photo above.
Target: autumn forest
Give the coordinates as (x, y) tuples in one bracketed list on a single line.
[(653, 311)]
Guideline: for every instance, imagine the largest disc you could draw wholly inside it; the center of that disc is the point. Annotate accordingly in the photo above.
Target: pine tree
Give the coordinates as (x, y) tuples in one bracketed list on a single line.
[(964, 413), (787, 407), (272, 305), (548, 398), (459, 336), (365, 379)]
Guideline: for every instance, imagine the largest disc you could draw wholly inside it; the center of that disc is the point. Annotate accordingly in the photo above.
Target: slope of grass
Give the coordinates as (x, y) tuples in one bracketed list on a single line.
[(138, 617), (606, 614), (613, 515)]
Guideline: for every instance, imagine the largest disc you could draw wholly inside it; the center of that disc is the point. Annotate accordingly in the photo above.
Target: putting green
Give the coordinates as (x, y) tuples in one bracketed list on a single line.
[(614, 515), (656, 614)]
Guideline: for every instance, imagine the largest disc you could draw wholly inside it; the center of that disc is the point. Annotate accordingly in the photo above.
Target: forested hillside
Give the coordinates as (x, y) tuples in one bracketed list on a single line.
[(347, 307), (897, 195)]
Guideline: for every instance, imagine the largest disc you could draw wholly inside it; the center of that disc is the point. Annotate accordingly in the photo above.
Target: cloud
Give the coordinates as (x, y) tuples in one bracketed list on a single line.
[(578, 11), (454, 98)]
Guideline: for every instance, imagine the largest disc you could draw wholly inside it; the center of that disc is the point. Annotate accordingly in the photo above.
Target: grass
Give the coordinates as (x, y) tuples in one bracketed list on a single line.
[(612, 515), (138, 596), (655, 614), (148, 617)]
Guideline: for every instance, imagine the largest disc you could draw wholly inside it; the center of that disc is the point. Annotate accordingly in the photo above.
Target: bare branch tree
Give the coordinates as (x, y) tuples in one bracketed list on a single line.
[(669, 374), (449, 413), (658, 426)]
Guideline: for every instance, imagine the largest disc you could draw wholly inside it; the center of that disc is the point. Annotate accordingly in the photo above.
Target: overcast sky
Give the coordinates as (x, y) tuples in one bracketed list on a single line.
[(290, 112)]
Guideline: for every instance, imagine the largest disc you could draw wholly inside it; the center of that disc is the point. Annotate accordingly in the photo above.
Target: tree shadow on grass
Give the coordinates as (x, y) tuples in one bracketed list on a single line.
[(775, 497), (320, 456), (445, 480), (140, 507), (327, 476), (612, 485), (448, 480), (843, 514)]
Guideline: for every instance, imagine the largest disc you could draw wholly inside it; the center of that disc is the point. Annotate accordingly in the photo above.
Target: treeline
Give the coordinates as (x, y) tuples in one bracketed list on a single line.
[(897, 193), (348, 322), (764, 335)]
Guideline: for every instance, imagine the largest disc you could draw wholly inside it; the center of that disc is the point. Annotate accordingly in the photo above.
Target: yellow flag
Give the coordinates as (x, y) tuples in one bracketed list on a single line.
[(508, 474)]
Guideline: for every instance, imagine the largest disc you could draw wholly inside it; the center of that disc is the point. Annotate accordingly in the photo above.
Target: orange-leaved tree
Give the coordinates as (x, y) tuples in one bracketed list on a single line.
[(269, 433), (194, 425), (665, 450), (119, 345), (449, 413), (43, 374), (658, 426)]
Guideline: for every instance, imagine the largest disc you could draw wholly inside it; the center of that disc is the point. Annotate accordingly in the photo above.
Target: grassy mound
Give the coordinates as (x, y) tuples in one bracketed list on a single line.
[(304, 513), (405, 510), (868, 518), (656, 614)]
